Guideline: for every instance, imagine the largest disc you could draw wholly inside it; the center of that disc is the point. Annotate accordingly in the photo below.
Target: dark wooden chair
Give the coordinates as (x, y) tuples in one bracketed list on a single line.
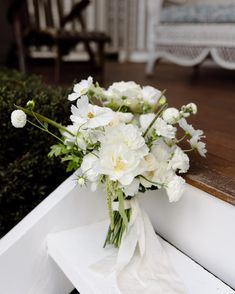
[(29, 32)]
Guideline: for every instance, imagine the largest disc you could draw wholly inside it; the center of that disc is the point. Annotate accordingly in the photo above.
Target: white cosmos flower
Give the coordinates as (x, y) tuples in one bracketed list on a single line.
[(189, 129), (18, 118), (171, 115), (179, 161), (198, 145), (81, 89), (151, 95), (91, 116), (175, 188), (120, 163)]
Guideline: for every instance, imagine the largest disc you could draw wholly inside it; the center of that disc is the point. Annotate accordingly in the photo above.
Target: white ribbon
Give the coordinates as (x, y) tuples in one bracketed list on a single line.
[(142, 266)]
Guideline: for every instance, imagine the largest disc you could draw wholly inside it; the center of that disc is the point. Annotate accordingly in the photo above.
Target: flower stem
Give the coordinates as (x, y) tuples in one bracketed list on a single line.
[(164, 106), (45, 119)]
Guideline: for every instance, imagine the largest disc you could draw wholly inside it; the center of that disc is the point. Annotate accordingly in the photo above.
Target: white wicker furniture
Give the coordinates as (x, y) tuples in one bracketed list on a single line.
[(186, 43)]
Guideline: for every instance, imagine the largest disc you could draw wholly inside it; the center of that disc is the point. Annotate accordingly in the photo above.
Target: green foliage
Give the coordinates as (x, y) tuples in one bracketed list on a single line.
[(26, 174)]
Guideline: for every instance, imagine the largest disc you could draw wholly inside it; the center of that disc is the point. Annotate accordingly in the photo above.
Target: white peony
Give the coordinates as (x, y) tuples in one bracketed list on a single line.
[(175, 188), (128, 135), (81, 89), (171, 115), (179, 161), (151, 95), (119, 163), (91, 116), (18, 118)]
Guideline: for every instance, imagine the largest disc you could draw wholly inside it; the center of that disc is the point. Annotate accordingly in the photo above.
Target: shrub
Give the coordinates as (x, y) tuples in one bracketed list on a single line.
[(26, 174)]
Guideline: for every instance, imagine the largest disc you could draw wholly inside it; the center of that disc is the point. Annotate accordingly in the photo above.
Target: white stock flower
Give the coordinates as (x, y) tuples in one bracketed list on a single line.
[(161, 151), (179, 161), (164, 129), (151, 95), (175, 188), (198, 145), (81, 89), (189, 129), (145, 120), (171, 115), (192, 107), (91, 116), (18, 118)]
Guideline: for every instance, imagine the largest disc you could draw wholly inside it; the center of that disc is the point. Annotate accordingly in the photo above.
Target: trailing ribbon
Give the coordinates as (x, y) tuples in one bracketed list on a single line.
[(142, 266)]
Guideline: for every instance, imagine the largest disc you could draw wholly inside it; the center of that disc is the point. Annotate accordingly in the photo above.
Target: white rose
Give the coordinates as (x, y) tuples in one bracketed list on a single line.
[(151, 95), (18, 118), (175, 188), (171, 115), (179, 161)]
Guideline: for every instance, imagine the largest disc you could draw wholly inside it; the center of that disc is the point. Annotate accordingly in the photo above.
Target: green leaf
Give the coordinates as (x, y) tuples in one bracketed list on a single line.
[(121, 207)]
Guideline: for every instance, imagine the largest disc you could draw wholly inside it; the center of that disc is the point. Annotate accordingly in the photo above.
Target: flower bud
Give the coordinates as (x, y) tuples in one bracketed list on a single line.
[(30, 104), (18, 118), (171, 115)]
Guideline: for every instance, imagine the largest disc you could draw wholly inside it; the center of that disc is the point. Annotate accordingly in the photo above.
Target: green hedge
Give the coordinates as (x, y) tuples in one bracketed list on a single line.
[(26, 174)]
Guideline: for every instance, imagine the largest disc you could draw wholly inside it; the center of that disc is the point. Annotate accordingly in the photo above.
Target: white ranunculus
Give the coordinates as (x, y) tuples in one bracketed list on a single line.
[(179, 161), (189, 129), (119, 162), (175, 188), (151, 95), (171, 115), (91, 116), (88, 167), (81, 89), (18, 118), (198, 145)]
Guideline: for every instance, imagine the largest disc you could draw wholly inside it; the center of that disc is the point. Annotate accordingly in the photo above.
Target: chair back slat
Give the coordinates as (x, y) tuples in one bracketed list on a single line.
[(36, 14), (47, 10)]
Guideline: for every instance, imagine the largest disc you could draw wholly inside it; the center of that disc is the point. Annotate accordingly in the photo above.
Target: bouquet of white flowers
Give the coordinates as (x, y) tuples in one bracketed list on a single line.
[(125, 138)]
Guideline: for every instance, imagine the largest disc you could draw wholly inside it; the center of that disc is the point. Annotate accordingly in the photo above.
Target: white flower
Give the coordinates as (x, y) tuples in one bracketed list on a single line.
[(120, 117), (81, 181), (132, 189), (81, 89), (175, 188), (91, 116), (179, 161), (189, 129), (129, 90), (163, 129), (145, 120), (120, 163), (161, 151), (198, 145), (171, 115), (151, 95), (88, 167), (18, 118), (128, 135), (192, 107)]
